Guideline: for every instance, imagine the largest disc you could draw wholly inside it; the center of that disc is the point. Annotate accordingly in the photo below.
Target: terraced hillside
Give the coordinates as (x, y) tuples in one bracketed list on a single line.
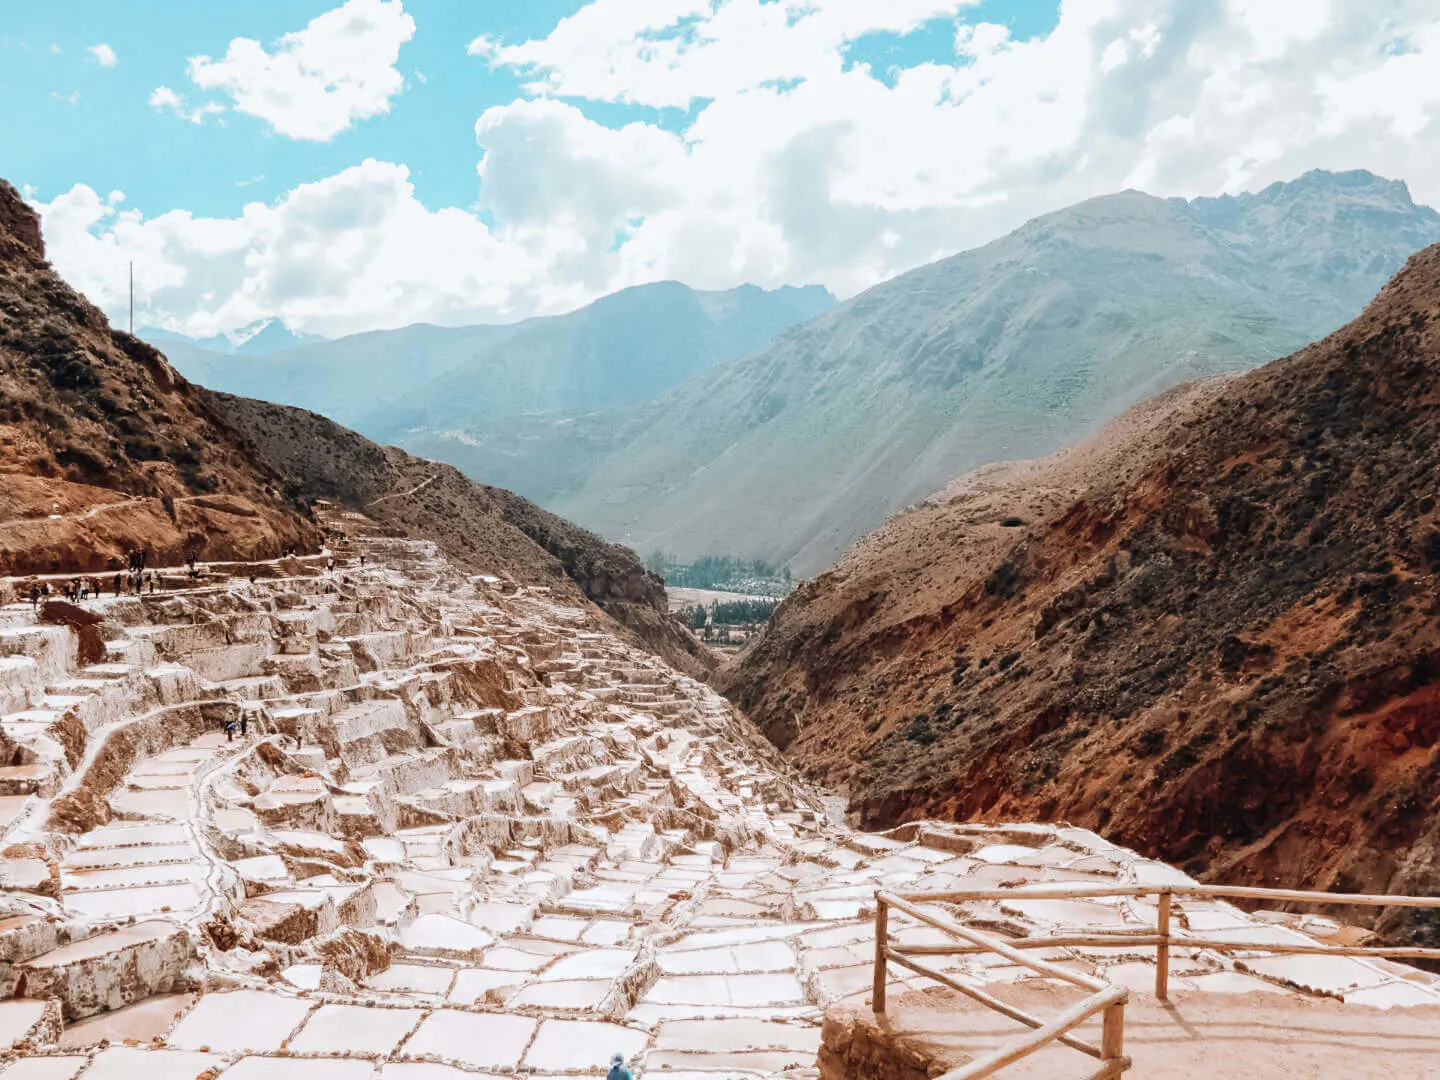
[(463, 828)]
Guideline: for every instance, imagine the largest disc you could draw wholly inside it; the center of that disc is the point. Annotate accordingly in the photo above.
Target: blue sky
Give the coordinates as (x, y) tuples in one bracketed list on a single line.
[(347, 165), (110, 138)]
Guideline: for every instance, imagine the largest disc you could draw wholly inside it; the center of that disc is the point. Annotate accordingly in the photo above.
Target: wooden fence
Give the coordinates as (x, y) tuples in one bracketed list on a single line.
[(1103, 996)]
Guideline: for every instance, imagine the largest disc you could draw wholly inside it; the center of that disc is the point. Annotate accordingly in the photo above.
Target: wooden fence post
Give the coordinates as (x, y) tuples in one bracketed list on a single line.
[(1162, 951), (1112, 1038), (882, 930)]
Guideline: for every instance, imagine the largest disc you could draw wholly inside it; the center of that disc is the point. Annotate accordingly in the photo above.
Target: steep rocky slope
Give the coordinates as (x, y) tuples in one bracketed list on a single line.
[(103, 447), (1011, 350), (483, 529), (1210, 631)]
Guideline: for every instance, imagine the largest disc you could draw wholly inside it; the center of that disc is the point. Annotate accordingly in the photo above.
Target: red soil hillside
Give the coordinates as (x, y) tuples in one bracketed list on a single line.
[(1212, 632), (103, 447)]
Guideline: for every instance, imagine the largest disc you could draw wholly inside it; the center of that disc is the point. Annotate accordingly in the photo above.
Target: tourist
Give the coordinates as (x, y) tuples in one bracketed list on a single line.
[(229, 730), (618, 1071), (244, 722), (117, 584)]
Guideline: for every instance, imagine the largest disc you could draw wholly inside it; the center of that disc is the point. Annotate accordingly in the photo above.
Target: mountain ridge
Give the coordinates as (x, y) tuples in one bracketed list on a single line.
[(1208, 630), (382, 381), (104, 448), (484, 529), (1008, 350)]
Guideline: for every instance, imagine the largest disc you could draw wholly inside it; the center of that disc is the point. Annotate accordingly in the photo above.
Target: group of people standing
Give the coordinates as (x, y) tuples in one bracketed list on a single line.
[(136, 578)]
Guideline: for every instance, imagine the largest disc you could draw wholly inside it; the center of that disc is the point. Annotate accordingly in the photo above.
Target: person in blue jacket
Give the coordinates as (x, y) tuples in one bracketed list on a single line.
[(618, 1071)]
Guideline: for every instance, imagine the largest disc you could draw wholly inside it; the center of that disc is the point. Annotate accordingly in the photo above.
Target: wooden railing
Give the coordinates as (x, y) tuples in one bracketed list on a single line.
[(1164, 937), (1102, 998)]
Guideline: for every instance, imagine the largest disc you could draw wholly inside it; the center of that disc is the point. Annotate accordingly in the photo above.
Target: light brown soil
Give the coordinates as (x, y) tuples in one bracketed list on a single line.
[(1255, 1036)]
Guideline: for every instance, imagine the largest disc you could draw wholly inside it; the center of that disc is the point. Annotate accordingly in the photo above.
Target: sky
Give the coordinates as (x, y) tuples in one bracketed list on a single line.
[(350, 165)]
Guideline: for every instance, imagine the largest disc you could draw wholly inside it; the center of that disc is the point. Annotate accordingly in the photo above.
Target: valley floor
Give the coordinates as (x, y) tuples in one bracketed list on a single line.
[(464, 831)]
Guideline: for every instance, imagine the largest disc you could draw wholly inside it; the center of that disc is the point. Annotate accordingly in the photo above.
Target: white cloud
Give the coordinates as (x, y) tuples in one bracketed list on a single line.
[(319, 81), (104, 55), (163, 99), (72, 98), (322, 257), (796, 164), (673, 52)]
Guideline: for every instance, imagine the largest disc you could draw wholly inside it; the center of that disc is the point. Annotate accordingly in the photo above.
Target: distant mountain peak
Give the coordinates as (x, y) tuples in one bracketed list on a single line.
[(269, 336), (259, 338), (1324, 184)]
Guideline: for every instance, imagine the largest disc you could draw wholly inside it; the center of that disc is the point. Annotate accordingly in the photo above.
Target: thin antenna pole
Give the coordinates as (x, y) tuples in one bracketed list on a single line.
[(132, 299)]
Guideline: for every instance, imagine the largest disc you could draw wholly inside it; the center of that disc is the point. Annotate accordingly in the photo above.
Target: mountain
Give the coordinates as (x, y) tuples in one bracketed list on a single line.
[(482, 529), (1210, 631), (622, 348), (104, 448), (1011, 350), (261, 338)]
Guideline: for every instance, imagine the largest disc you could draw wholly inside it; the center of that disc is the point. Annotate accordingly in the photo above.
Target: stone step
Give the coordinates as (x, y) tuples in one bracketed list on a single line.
[(42, 779), (110, 970)]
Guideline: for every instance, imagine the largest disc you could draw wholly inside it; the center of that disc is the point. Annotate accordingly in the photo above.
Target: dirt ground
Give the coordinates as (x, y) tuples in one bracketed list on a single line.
[(1255, 1036)]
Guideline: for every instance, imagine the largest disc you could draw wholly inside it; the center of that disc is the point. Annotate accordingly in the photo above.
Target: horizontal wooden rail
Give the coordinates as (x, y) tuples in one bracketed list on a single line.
[(1239, 892), (992, 944), (1106, 941)]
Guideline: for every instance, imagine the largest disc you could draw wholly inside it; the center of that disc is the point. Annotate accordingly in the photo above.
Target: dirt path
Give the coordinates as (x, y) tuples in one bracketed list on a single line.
[(402, 494), (97, 509), (71, 517)]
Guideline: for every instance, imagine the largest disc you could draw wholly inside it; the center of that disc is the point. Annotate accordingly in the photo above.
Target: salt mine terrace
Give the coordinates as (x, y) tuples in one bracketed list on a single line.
[(468, 831)]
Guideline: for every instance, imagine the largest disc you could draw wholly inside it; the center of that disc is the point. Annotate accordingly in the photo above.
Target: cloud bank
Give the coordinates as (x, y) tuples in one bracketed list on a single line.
[(795, 161)]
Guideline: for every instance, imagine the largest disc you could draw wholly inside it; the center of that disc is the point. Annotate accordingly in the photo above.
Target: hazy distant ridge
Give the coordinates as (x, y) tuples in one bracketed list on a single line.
[(1010, 350), (625, 347)]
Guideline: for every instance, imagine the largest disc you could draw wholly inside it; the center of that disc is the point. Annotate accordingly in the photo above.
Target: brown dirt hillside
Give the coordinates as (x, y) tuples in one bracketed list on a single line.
[(485, 529), (1212, 632), (104, 448)]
